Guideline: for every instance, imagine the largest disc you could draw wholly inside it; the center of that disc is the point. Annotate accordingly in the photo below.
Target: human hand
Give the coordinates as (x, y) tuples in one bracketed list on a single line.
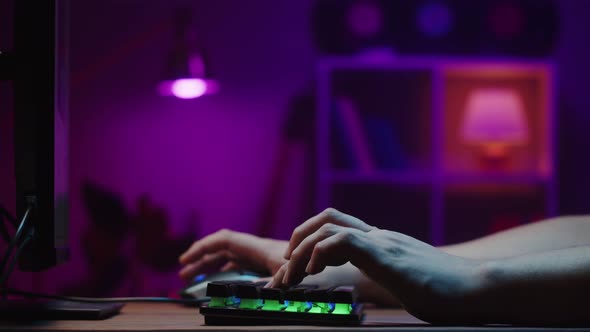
[(427, 281), (237, 250)]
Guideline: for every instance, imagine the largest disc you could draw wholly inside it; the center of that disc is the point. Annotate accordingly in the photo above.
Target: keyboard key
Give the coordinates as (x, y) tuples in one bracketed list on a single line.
[(344, 294), (273, 299), (249, 296), (320, 300), (343, 298), (272, 294), (219, 289), (247, 291), (221, 294)]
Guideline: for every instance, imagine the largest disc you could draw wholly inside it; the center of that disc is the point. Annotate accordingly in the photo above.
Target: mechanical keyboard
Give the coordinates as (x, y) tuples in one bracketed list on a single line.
[(247, 303)]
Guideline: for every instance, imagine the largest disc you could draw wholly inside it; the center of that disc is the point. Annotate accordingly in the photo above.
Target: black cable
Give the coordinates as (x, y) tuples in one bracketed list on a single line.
[(105, 299), (4, 276), (21, 228), (4, 230), (4, 214), (8, 216)]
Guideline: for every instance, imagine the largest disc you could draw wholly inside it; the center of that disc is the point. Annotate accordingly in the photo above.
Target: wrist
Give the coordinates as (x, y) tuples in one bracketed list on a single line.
[(484, 289), (462, 298)]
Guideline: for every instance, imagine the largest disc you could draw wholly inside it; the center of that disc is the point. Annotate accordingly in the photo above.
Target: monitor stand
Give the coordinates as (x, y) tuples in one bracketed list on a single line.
[(28, 310)]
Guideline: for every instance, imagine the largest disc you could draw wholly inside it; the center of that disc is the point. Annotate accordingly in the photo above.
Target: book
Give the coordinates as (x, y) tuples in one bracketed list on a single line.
[(384, 145), (351, 138)]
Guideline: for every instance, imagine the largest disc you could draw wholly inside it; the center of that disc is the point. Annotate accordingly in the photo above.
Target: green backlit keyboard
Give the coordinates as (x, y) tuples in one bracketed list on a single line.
[(247, 303)]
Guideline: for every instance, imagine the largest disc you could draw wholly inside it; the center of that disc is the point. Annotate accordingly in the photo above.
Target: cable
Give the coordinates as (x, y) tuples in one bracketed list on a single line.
[(105, 299), (4, 276), (3, 230), (8, 216), (31, 203), (7, 291)]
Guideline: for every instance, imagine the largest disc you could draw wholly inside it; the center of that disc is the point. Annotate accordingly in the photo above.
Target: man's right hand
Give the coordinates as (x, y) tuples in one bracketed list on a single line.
[(236, 250)]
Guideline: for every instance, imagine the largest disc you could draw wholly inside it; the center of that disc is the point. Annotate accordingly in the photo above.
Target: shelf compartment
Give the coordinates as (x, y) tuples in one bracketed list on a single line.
[(389, 108), (473, 211), (404, 209)]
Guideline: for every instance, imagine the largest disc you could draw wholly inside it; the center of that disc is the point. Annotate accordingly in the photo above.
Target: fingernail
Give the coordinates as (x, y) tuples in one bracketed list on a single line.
[(308, 269)]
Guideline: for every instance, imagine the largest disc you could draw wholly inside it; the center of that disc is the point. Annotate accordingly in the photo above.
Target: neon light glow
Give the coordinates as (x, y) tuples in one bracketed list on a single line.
[(342, 308), (250, 304), (217, 302), (320, 308), (273, 305), (296, 306)]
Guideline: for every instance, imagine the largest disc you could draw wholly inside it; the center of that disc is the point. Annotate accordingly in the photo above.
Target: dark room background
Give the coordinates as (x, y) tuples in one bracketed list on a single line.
[(150, 174)]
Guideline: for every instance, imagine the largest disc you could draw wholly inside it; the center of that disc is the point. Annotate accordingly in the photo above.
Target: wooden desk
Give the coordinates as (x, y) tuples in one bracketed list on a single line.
[(171, 317)]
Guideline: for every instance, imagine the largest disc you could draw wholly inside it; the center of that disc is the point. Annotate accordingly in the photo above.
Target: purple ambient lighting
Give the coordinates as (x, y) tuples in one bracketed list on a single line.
[(187, 88)]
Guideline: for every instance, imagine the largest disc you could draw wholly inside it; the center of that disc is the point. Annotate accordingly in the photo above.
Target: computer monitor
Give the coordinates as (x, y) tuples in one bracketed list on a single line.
[(41, 128), (38, 66)]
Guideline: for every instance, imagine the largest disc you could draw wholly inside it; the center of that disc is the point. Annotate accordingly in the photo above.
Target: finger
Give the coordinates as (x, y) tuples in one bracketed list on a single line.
[(329, 215), (206, 262), (300, 256), (336, 250), (230, 266), (188, 273), (221, 240), (266, 279), (277, 279)]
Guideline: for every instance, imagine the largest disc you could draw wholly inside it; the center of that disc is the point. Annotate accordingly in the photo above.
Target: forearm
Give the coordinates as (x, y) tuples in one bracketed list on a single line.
[(548, 235), (541, 289)]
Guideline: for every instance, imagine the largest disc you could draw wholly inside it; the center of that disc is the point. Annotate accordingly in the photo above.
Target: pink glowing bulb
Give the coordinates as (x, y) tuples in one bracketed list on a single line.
[(189, 88)]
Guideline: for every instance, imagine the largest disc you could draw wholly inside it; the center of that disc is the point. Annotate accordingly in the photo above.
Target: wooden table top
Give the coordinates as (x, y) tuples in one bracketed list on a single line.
[(172, 317)]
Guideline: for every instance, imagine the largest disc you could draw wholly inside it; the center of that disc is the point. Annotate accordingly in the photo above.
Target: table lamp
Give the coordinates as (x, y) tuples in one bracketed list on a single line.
[(494, 121)]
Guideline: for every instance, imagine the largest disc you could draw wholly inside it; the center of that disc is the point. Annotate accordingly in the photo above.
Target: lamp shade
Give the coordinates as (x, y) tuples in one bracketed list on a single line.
[(494, 116), (186, 73)]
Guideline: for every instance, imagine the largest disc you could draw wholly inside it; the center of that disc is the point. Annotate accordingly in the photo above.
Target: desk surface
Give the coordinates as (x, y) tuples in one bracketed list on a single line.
[(171, 317)]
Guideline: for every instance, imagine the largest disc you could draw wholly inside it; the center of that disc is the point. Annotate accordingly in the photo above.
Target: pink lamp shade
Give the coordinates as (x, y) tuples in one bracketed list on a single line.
[(495, 119)]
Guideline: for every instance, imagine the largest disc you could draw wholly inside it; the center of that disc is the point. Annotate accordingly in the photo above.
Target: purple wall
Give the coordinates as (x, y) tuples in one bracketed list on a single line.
[(572, 56), (209, 159)]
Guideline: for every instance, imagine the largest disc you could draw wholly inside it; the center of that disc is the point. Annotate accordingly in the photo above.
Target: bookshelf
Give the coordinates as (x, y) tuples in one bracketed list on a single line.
[(414, 145)]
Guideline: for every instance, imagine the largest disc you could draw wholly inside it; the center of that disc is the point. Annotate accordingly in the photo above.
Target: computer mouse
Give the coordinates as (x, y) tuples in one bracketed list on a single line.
[(198, 288)]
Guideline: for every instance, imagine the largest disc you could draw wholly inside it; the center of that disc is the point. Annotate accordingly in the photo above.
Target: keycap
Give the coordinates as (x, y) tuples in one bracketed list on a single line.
[(219, 289), (344, 294)]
